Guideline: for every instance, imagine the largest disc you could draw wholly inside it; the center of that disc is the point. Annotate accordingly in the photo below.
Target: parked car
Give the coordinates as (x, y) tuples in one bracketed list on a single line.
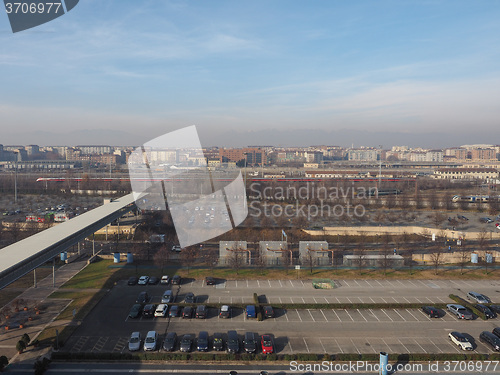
[(233, 343), (225, 311), (186, 343), (161, 310), (134, 343), (153, 280), (432, 311), (486, 311), (189, 298), (268, 312), (490, 339), (143, 280), (176, 248), (495, 308), (209, 280), (187, 313), (142, 298), (485, 220), (202, 343), (478, 297), (135, 311), (218, 342), (460, 340), (496, 331), (176, 280), (149, 310), (250, 311), (165, 280), (150, 341), (201, 312), (460, 311), (267, 344), (167, 296), (170, 342), (174, 311), (132, 280), (249, 342)]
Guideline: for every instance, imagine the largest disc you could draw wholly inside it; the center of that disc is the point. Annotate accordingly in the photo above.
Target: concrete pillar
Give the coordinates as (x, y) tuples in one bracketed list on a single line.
[(384, 360), (34, 278), (93, 243)]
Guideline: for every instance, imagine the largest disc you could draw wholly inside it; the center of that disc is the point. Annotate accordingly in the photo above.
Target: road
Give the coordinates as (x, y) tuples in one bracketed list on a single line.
[(292, 369)]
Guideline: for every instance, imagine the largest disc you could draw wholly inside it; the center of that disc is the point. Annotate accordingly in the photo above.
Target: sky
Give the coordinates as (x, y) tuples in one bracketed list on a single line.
[(285, 73)]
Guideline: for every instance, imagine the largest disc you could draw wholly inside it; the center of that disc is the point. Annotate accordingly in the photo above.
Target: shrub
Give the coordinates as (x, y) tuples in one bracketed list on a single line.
[(4, 361), (26, 338), (20, 346)]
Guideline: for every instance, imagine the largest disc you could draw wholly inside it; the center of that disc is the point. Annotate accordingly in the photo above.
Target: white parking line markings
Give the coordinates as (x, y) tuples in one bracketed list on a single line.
[(324, 350), (371, 299), (387, 315), (396, 311), (336, 315), (409, 312), (425, 351), (374, 315), (307, 347), (349, 315), (349, 300), (336, 342), (315, 300), (362, 315), (404, 346), (309, 311), (269, 282), (298, 314), (355, 346), (324, 315), (406, 299)]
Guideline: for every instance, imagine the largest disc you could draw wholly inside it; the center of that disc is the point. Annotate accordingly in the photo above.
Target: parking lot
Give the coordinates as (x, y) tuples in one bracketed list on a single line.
[(108, 327)]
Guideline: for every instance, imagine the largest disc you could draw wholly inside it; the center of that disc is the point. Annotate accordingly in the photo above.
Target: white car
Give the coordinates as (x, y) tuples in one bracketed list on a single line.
[(143, 280), (165, 279), (134, 343), (161, 310), (150, 341), (460, 340)]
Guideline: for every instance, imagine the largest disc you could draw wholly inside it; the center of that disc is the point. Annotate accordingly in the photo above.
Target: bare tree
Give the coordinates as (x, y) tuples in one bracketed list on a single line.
[(437, 258), (464, 259), (260, 260), (286, 260), (188, 256), (409, 256), (236, 259), (308, 260), (385, 262), (438, 218), (161, 257), (211, 257)]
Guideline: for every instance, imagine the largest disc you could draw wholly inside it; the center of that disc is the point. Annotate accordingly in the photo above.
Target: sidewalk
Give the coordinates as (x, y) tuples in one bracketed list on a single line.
[(37, 296)]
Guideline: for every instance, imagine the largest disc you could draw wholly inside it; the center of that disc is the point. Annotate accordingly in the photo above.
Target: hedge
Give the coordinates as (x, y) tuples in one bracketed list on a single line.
[(303, 357)]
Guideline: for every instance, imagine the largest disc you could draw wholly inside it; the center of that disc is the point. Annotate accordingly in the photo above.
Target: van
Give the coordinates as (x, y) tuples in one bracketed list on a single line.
[(250, 343), (250, 311), (167, 296)]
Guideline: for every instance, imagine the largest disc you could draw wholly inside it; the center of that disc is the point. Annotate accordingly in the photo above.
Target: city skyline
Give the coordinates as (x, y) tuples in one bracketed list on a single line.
[(284, 73)]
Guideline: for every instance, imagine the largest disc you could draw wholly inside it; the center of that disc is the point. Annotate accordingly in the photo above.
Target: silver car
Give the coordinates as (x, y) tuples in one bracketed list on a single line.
[(478, 297), (150, 341), (460, 311), (134, 343)]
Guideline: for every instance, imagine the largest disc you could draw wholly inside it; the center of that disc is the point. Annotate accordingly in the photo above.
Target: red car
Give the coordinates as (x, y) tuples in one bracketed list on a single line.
[(267, 344)]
